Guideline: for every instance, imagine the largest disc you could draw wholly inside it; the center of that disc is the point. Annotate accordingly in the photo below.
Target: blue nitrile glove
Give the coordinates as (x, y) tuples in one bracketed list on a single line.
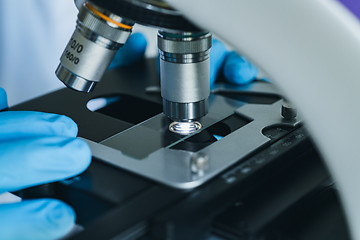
[(133, 51), (3, 99), (236, 69), (37, 148)]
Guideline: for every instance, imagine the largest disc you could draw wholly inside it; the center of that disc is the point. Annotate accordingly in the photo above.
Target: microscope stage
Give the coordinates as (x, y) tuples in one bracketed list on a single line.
[(245, 173)]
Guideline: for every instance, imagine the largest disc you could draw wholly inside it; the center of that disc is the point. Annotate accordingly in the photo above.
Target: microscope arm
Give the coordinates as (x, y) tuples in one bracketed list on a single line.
[(311, 50)]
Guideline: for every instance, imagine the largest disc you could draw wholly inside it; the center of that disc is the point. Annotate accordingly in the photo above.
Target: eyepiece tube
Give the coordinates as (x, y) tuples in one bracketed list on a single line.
[(94, 43)]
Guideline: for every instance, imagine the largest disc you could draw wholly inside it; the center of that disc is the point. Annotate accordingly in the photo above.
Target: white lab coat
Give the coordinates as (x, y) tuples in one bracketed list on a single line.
[(33, 34)]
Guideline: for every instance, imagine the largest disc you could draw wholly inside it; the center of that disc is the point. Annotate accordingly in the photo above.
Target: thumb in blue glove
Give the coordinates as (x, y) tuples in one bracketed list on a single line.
[(35, 219), (3, 99), (236, 69), (132, 52), (37, 148)]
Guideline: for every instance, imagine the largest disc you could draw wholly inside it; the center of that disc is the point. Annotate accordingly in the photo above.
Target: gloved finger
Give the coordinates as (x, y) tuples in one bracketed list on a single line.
[(35, 219), (3, 99), (133, 51), (238, 70), (32, 161), (20, 124), (218, 55)]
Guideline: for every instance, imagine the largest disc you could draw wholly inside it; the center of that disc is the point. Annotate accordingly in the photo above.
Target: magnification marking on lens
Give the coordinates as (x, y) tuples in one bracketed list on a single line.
[(97, 37), (185, 128)]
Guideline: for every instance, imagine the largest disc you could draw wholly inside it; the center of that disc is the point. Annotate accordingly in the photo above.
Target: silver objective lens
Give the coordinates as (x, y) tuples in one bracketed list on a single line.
[(184, 128), (94, 43), (184, 74)]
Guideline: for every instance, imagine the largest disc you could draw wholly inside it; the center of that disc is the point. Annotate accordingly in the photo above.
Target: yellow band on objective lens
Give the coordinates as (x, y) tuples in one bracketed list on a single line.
[(103, 16)]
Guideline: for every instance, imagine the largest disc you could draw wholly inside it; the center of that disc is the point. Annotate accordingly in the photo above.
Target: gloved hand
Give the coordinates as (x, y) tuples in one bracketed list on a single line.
[(37, 148), (132, 52), (236, 69)]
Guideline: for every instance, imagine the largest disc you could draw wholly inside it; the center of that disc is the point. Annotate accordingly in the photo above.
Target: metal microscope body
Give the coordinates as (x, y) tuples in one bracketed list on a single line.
[(184, 59), (312, 76)]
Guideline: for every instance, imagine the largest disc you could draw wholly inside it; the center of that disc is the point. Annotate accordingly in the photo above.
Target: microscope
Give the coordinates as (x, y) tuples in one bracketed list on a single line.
[(233, 162), (184, 56)]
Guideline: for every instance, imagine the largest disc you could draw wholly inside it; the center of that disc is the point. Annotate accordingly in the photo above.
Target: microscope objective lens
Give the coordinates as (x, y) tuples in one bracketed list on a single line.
[(185, 128)]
